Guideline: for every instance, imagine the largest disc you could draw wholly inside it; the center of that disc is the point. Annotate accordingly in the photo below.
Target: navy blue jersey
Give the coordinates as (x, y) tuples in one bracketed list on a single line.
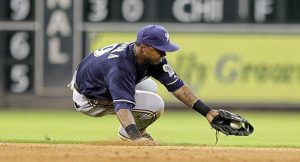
[(112, 73)]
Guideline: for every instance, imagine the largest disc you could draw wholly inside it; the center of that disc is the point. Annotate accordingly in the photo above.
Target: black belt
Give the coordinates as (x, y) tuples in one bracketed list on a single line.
[(96, 102), (77, 88)]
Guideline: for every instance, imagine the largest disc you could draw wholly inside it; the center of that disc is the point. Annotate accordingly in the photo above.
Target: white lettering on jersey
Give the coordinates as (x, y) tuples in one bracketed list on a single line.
[(120, 48), (102, 51), (112, 56), (110, 48)]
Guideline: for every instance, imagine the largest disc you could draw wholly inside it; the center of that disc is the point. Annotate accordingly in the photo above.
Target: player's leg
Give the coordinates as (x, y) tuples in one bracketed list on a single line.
[(149, 107), (97, 108), (148, 103), (94, 108), (147, 85)]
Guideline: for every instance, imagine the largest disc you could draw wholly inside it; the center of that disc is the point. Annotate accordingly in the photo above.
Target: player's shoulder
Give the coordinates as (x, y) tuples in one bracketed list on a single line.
[(112, 51), (122, 56)]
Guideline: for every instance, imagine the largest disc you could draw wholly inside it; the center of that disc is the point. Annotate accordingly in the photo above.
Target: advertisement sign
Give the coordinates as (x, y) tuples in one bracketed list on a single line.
[(235, 68)]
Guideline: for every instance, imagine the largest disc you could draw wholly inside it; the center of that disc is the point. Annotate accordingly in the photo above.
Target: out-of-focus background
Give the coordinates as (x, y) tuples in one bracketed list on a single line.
[(241, 54)]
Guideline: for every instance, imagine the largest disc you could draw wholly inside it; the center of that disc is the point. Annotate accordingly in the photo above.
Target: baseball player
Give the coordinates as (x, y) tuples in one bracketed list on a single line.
[(115, 80)]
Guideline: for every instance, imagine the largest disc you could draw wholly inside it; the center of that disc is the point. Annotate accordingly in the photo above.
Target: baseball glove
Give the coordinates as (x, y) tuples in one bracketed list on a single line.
[(224, 123)]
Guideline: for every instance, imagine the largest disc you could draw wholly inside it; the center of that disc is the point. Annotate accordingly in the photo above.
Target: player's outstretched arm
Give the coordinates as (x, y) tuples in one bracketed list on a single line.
[(186, 95), (216, 118)]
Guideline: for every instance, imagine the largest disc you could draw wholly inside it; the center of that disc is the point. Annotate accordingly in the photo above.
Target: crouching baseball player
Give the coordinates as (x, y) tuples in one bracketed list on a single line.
[(115, 80)]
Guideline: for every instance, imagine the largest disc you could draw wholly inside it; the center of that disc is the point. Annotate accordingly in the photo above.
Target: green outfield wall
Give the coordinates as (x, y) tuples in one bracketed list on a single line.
[(238, 68)]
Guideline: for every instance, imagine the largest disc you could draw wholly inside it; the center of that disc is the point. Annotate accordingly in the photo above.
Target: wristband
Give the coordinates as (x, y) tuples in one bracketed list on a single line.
[(133, 132), (201, 108)]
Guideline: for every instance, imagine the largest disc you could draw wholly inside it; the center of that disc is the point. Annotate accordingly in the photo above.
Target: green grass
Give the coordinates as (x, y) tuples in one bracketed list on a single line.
[(272, 129)]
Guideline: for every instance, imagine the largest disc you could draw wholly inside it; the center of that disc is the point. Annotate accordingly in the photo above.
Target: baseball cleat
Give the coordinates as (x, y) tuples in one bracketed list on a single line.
[(147, 135), (124, 136)]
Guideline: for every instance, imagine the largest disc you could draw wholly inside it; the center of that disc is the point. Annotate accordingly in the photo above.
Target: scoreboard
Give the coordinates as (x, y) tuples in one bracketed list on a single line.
[(37, 43), (42, 41), (17, 45)]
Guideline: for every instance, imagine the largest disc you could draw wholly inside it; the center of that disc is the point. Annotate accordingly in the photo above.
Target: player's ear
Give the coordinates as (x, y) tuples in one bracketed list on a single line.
[(143, 47)]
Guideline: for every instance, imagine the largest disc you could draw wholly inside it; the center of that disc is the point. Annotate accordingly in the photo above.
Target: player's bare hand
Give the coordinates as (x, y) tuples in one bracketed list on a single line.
[(146, 142), (211, 115)]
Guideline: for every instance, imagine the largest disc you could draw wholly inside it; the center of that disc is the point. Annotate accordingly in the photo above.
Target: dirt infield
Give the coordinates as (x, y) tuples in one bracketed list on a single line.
[(114, 152)]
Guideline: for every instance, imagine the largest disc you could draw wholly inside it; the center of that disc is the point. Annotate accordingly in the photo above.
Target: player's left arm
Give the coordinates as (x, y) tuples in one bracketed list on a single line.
[(220, 120), (186, 95)]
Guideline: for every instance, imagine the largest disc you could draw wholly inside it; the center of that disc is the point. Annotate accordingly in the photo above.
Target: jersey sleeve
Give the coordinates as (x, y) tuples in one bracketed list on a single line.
[(167, 76), (121, 84)]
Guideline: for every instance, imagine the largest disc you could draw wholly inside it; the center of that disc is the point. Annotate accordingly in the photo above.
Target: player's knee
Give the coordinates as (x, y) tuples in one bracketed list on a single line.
[(158, 104), (147, 85), (149, 101)]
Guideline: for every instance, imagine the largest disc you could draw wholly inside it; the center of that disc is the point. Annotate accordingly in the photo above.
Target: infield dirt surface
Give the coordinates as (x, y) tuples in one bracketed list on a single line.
[(119, 151)]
